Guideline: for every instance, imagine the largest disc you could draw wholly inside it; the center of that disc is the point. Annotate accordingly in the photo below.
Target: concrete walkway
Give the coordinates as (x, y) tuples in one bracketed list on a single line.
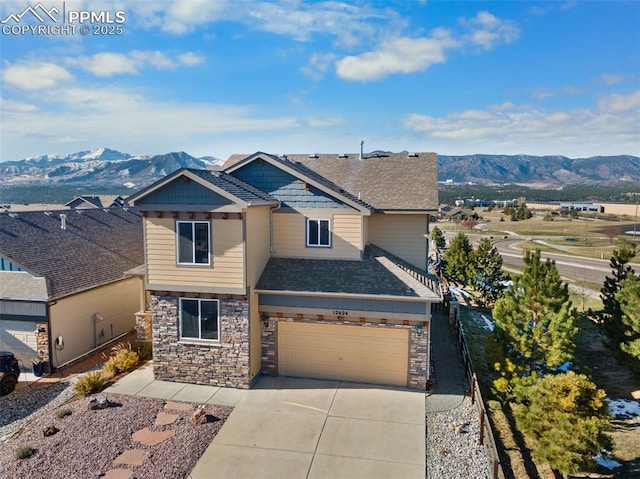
[(303, 429), (451, 383)]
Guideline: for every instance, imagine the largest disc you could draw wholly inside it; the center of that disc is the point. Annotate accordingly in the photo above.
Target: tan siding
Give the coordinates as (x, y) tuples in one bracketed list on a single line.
[(73, 318), (289, 236), (402, 235), (228, 253), (257, 242)]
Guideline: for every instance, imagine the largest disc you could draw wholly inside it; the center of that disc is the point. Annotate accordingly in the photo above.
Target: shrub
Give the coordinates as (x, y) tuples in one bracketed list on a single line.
[(63, 413), (123, 358), (90, 383), (109, 370), (23, 452), (145, 350)]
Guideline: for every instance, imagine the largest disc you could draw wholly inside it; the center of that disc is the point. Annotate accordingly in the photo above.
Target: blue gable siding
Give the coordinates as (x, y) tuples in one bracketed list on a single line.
[(7, 265), (180, 193), (288, 189)]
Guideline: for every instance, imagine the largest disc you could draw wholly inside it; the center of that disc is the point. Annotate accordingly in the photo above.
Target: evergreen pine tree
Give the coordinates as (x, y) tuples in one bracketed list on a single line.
[(459, 260), (612, 314), (629, 300), (438, 237), (535, 325), (566, 416), (488, 272)]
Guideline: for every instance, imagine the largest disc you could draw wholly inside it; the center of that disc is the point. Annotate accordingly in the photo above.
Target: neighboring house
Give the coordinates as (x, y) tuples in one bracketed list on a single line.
[(95, 201), (311, 266), (64, 282)]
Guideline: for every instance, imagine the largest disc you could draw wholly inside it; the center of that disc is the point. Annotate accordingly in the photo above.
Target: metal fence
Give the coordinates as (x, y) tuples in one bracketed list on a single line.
[(487, 438)]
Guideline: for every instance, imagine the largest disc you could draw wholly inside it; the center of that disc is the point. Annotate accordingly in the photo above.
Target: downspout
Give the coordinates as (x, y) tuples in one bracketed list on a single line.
[(271, 251)]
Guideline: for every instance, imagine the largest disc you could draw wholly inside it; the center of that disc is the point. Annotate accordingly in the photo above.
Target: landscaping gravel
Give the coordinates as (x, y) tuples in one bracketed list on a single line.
[(89, 441), (452, 444)]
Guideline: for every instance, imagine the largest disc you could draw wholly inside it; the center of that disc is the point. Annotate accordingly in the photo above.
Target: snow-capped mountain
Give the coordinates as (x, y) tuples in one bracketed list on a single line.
[(102, 166)]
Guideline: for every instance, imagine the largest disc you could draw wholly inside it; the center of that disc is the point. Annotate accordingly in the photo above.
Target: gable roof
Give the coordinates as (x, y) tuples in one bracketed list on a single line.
[(97, 246), (296, 169), (22, 286), (95, 201), (387, 181), (220, 182)]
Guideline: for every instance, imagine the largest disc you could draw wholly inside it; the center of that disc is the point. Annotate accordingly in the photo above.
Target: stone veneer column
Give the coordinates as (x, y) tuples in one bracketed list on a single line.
[(270, 348), (418, 350), (224, 363)]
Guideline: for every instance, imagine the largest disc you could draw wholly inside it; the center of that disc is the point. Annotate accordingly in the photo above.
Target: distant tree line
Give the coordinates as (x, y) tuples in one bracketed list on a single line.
[(617, 194)]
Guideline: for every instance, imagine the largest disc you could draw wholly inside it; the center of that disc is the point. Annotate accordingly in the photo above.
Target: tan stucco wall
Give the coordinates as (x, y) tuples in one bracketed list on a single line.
[(401, 234), (290, 229), (73, 318)]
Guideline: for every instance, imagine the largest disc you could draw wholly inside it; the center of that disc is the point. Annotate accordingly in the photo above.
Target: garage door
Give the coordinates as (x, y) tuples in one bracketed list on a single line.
[(342, 352), (19, 337)]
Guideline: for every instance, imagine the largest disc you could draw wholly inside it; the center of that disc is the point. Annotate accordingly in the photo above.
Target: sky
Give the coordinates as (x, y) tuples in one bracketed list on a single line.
[(218, 77)]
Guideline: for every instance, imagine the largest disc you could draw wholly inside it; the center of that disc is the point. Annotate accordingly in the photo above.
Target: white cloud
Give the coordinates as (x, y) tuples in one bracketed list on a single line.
[(108, 64), (191, 59), (35, 75), (318, 65), (612, 79), (488, 31), (13, 105), (617, 102), (511, 128), (397, 55)]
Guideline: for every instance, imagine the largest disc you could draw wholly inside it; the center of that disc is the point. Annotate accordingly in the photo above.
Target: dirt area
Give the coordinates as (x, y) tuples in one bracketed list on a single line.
[(90, 443)]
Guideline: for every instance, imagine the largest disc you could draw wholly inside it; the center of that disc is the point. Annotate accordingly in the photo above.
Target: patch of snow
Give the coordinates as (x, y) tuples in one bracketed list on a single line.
[(624, 408), (564, 367), (489, 324), (606, 462), (93, 154), (128, 184)]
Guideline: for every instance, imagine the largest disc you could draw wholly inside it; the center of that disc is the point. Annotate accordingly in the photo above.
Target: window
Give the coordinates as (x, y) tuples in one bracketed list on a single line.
[(318, 233), (199, 319), (194, 244)]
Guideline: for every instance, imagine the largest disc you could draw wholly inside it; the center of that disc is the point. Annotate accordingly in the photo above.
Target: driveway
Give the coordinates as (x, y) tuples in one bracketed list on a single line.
[(311, 429), (303, 428)]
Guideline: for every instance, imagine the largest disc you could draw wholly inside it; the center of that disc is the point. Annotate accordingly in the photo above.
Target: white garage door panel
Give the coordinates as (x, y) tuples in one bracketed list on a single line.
[(350, 353), (19, 338)]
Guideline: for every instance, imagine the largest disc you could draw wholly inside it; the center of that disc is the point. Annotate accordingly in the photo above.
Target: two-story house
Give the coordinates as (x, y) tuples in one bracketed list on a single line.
[(311, 266)]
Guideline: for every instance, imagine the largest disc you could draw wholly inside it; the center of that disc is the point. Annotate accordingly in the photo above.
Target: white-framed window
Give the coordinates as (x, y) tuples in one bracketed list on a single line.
[(318, 233), (193, 240), (200, 319)]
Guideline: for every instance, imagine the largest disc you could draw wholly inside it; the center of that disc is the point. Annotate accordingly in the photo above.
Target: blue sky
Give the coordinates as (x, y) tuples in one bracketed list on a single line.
[(222, 77)]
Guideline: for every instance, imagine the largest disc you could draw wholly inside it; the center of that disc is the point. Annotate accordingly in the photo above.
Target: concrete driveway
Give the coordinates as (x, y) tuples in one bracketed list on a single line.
[(290, 428), (311, 429)]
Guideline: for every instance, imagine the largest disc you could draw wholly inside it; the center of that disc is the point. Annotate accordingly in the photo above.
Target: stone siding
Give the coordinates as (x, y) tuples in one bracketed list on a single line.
[(418, 347), (217, 364)]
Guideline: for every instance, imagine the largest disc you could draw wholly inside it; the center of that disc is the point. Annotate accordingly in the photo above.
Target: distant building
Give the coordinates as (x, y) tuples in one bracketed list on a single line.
[(96, 201)]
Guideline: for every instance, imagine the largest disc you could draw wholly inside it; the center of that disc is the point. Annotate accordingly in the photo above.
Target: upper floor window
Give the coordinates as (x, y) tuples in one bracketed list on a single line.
[(318, 233), (194, 242), (200, 319)]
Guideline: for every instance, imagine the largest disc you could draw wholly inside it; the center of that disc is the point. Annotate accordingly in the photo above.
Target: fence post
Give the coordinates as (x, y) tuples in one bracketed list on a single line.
[(482, 428), (473, 389)]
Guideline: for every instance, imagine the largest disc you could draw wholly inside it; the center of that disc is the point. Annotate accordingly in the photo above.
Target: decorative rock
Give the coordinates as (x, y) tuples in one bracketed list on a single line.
[(132, 457), (178, 406), (118, 474), (99, 402), (50, 431), (199, 416), (164, 419)]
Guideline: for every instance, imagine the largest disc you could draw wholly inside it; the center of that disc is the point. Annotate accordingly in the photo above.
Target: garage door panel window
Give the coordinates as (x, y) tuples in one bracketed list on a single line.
[(194, 242), (200, 319), (318, 233)]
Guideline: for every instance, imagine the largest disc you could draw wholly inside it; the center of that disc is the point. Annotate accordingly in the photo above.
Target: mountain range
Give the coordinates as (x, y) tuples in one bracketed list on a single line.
[(108, 167)]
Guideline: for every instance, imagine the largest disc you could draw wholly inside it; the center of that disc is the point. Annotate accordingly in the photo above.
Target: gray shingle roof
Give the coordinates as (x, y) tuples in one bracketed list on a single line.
[(377, 274), (387, 181), (236, 187), (23, 286), (304, 171), (96, 248)]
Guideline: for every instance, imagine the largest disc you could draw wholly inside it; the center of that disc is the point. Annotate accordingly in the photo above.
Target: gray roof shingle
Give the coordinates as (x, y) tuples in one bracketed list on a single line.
[(384, 181), (379, 274), (233, 185), (97, 247)]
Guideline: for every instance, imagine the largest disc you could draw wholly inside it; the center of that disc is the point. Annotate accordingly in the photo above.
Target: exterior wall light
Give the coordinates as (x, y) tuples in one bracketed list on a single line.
[(419, 330)]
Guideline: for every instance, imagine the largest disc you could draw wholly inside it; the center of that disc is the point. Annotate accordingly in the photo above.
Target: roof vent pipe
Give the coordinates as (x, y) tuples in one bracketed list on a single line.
[(63, 221), (361, 150)]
